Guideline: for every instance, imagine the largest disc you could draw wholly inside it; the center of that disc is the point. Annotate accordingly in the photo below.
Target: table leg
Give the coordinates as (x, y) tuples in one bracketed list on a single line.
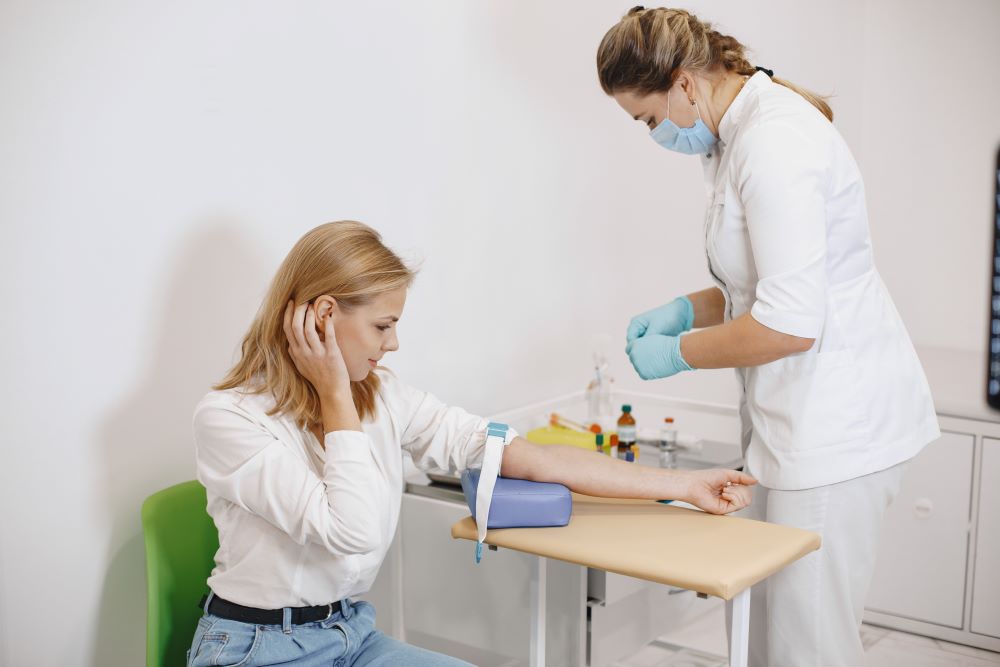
[(739, 631), (536, 590)]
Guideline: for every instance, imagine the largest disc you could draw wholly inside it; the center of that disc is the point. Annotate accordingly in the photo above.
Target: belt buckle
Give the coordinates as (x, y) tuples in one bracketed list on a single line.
[(329, 612)]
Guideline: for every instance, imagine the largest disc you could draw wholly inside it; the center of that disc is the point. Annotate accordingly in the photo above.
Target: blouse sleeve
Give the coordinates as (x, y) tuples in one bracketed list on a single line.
[(436, 435), (240, 460)]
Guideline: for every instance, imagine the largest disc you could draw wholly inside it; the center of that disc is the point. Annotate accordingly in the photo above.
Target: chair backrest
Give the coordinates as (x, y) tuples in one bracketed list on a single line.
[(181, 541)]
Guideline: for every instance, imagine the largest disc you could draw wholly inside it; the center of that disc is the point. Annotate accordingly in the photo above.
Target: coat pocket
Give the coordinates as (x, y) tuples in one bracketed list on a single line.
[(808, 401)]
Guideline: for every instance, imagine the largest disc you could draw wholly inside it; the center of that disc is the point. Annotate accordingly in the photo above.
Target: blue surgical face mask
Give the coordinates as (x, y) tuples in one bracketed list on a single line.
[(689, 140)]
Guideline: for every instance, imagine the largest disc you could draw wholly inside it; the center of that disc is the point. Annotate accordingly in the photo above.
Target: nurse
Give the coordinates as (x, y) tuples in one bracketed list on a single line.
[(833, 397), (300, 448)]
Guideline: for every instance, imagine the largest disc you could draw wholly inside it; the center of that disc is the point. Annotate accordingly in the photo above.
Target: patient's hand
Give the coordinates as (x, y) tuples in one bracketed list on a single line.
[(718, 491)]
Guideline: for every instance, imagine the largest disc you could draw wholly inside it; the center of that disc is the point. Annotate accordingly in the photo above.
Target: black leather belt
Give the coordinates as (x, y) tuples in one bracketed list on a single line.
[(237, 612)]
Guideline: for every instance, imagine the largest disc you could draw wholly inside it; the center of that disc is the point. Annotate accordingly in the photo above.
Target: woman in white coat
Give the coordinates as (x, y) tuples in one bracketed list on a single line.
[(833, 397)]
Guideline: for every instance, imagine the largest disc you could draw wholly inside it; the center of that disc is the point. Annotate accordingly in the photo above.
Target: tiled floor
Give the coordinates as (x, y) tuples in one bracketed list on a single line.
[(702, 643)]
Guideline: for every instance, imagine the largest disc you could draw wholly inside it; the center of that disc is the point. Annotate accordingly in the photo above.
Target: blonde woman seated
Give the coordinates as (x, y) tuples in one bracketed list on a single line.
[(301, 450)]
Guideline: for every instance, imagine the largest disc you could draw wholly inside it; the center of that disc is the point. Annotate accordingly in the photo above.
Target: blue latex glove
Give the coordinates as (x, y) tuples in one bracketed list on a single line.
[(672, 319), (656, 356)]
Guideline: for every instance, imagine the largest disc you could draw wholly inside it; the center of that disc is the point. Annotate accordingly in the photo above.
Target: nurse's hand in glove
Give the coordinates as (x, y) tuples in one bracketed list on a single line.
[(718, 491), (656, 356), (671, 319)]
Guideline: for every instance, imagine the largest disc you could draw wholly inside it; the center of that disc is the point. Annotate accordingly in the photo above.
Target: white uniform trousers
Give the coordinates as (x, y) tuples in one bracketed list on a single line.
[(809, 614)]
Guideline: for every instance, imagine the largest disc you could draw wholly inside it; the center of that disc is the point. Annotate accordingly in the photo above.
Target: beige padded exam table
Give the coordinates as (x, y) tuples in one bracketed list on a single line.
[(713, 555)]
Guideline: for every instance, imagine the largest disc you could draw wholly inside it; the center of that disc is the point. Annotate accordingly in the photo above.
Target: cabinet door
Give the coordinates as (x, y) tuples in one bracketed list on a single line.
[(920, 572), (481, 613), (986, 582)]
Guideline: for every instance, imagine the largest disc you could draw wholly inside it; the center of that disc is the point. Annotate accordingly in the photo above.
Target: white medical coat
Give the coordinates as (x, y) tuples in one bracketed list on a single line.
[(787, 241)]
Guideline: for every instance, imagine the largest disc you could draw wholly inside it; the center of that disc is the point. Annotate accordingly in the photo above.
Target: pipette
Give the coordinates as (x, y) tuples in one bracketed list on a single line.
[(556, 419)]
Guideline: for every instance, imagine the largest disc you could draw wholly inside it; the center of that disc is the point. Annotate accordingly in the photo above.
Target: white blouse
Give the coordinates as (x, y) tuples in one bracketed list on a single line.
[(300, 525), (787, 239)]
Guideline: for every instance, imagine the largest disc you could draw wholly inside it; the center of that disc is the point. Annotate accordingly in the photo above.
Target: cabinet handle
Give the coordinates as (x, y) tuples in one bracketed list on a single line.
[(923, 508)]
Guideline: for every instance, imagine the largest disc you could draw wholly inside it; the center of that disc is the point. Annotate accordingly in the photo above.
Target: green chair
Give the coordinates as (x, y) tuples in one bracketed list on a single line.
[(181, 541)]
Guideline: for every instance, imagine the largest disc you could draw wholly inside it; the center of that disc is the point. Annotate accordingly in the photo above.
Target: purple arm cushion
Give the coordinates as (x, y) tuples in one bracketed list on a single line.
[(518, 503)]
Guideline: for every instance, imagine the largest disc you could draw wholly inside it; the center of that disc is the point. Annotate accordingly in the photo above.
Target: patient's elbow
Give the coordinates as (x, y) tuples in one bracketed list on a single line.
[(363, 542), (360, 536), (520, 460)]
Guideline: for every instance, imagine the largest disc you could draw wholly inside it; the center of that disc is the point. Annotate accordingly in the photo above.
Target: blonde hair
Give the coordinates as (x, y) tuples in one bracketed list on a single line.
[(645, 49), (346, 260)]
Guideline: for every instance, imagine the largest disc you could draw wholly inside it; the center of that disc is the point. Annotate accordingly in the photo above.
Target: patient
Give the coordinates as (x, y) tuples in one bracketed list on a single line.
[(300, 448)]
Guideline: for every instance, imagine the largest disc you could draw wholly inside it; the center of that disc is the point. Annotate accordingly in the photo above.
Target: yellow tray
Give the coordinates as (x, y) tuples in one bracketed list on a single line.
[(559, 435)]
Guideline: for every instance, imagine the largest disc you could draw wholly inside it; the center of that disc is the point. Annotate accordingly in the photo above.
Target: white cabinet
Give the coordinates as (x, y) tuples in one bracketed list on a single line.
[(630, 614), (921, 569), (481, 613), (986, 586)]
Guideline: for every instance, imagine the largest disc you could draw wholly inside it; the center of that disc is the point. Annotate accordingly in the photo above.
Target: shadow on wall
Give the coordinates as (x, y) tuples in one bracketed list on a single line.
[(214, 290)]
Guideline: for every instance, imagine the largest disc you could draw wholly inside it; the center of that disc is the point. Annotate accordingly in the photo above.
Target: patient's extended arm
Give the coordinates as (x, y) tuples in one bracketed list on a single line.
[(716, 491)]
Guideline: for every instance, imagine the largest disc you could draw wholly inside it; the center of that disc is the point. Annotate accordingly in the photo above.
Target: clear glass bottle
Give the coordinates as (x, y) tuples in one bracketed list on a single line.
[(599, 389), (668, 444)]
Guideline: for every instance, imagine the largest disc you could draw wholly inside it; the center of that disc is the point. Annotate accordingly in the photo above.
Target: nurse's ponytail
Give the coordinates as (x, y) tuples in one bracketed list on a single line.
[(643, 52)]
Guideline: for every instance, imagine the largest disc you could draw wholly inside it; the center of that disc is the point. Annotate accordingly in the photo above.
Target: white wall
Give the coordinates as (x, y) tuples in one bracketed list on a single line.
[(158, 161), (931, 115)]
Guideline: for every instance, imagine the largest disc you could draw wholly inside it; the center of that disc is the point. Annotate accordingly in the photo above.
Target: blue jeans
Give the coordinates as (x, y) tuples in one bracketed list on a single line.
[(347, 639)]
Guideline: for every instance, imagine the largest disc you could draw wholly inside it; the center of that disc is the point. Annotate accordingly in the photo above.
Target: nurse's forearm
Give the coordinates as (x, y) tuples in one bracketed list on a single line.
[(709, 305), (590, 473), (739, 343)]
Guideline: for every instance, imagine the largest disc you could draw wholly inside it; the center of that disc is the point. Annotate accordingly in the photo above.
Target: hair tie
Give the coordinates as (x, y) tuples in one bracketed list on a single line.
[(769, 72)]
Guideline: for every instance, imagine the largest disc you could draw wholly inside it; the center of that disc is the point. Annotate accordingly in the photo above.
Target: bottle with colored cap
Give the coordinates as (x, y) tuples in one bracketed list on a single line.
[(626, 431), (599, 439), (668, 444)]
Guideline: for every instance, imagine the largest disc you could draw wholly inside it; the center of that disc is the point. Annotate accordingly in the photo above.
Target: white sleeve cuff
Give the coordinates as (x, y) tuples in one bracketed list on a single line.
[(793, 302), (803, 326)]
